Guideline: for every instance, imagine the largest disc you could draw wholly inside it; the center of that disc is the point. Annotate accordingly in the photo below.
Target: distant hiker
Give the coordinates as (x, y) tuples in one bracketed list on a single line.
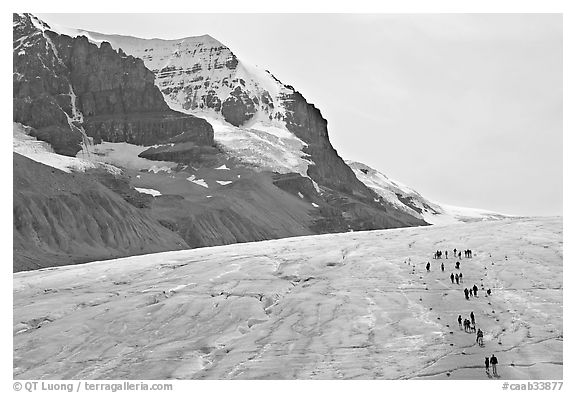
[(494, 362), (466, 293), (489, 291), (480, 337), (442, 267), (460, 321), (487, 364), (472, 317), (459, 254), (428, 266), (457, 265), (452, 278), (475, 289), (446, 253)]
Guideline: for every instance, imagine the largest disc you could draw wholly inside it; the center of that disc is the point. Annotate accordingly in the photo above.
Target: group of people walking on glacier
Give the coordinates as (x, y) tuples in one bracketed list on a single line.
[(467, 254), (469, 325)]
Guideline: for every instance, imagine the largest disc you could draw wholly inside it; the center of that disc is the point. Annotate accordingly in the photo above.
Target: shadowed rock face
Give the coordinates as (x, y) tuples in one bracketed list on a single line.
[(149, 128), (41, 88), (306, 122), (63, 85), (238, 108)]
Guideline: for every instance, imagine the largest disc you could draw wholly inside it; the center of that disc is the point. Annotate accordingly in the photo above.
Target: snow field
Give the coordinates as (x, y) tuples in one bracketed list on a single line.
[(341, 306)]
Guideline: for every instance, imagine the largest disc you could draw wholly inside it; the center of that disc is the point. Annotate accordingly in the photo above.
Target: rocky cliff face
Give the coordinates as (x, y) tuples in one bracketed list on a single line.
[(68, 88)]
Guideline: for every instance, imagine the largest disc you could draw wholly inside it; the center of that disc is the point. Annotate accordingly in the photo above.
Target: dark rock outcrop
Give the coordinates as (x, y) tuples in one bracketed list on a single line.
[(63, 85), (42, 88), (149, 128), (306, 122), (238, 108)]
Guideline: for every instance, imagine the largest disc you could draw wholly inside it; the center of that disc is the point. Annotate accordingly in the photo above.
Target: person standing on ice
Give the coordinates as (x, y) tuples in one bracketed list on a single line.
[(428, 266), (466, 293), (472, 317), (457, 266), (456, 276), (455, 253), (452, 278), (460, 321), (480, 337), (446, 253), (487, 364), (459, 254), (475, 289), (494, 362), (442, 267), (489, 291), (460, 277)]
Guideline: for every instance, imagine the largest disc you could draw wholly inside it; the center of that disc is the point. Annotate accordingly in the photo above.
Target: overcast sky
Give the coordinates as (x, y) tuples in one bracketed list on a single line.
[(464, 108)]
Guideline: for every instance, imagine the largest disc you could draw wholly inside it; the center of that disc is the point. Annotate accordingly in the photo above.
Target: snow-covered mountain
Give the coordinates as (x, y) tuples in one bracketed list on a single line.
[(246, 106), (412, 202), (155, 121)]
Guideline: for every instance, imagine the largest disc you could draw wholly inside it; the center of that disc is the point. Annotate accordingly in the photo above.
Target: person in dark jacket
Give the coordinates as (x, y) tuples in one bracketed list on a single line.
[(487, 364), (466, 293), (475, 289), (428, 266), (480, 337), (494, 362), (452, 278), (472, 317), (442, 266), (460, 321)]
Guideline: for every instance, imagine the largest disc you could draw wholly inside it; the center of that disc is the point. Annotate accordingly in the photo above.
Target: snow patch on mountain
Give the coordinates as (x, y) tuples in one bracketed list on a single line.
[(43, 153), (149, 191), (263, 144), (200, 182), (124, 155)]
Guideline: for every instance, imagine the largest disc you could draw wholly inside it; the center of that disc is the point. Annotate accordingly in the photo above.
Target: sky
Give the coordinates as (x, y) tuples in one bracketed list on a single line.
[(464, 108)]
